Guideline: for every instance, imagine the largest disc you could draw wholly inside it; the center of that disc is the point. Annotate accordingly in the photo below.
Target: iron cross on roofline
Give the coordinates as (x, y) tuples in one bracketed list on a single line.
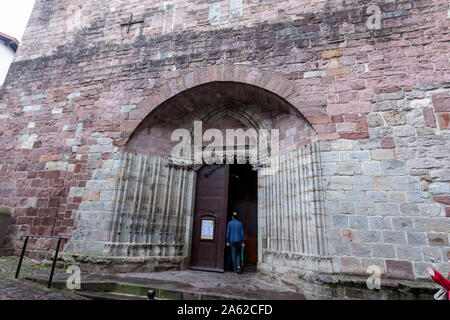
[(130, 23)]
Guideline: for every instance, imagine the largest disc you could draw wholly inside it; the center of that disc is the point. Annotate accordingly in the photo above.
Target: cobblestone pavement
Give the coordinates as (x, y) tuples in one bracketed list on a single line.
[(20, 289)]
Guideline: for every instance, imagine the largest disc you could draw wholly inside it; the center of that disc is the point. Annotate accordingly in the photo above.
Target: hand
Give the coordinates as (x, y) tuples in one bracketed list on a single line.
[(228, 244), (243, 245), (431, 272)]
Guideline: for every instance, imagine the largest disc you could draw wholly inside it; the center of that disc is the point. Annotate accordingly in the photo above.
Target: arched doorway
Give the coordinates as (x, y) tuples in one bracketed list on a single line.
[(157, 196), (220, 191)]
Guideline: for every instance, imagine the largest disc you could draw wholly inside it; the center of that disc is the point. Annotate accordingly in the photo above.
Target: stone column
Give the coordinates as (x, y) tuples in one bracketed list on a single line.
[(152, 212), (291, 210)]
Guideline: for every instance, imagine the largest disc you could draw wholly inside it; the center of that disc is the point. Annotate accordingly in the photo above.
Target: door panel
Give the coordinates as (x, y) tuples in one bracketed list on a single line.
[(252, 235), (208, 237), (248, 215)]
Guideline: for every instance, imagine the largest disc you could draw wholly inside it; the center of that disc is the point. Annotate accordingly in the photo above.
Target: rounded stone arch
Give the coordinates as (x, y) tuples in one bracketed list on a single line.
[(249, 119), (312, 108)]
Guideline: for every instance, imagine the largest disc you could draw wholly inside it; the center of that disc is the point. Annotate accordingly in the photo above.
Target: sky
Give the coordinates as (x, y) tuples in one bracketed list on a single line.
[(14, 15)]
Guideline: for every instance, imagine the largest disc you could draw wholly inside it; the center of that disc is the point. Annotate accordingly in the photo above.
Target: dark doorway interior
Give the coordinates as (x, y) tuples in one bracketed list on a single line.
[(242, 198)]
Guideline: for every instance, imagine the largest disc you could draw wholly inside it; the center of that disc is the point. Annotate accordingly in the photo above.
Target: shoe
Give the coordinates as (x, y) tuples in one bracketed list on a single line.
[(239, 270)]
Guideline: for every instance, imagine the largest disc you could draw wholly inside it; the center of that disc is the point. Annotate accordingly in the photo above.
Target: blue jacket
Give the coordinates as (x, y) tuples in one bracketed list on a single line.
[(235, 231)]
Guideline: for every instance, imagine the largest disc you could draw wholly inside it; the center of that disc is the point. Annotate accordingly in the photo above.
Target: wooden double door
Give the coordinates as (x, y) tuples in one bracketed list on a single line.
[(213, 210)]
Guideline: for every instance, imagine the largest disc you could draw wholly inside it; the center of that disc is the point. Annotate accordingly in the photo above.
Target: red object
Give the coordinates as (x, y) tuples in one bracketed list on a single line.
[(440, 279)]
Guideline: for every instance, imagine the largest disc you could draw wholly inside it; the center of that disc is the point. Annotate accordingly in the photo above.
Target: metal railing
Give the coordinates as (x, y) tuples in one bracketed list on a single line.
[(60, 239)]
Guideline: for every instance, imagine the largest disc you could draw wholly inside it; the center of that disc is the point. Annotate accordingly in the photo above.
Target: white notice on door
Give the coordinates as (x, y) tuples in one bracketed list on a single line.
[(207, 230)]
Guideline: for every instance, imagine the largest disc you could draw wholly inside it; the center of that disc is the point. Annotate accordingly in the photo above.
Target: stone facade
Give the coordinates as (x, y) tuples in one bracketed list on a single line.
[(365, 110)]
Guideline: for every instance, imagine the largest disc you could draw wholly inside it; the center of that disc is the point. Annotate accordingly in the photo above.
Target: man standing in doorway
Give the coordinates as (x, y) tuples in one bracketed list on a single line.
[(235, 239)]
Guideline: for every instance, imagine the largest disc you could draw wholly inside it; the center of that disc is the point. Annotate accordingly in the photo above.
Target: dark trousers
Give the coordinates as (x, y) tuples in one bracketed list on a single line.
[(236, 255)]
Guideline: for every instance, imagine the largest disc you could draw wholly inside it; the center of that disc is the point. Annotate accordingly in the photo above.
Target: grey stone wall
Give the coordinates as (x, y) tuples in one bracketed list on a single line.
[(382, 201)]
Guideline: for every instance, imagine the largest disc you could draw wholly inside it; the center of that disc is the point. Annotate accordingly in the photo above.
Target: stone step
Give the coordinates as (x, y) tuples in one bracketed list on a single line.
[(108, 296), (105, 290)]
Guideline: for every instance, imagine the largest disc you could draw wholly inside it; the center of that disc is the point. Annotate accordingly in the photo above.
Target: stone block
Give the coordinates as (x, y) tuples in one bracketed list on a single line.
[(350, 265), (394, 196), (366, 208), (438, 239), (106, 195), (395, 237), (341, 145), (340, 183), (431, 255), (331, 54), (387, 144), (388, 209), (409, 253), (348, 168), (370, 168), (444, 174), (358, 222), (395, 118), (349, 235), (354, 155), (354, 195), (404, 131), (399, 269), (440, 188), (361, 250), (382, 154), (368, 144), (376, 196), (402, 223), (334, 235), (385, 106), (314, 74), (329, 168), (342, 249), (417, 196), (385, 183), (420, 271), (56, 166), (235, 8), (335, 195), (432, 224), (214, 13), (409, 209), (346, 207), (417, 238), (390, 96), (331, 207), (393, 167), (408, 183), (430, 209), (369, 263), (375, 121), (371, 236), (444, 121), (363, 183), (380, 223), (31, 108), (76, 192), (340, 221), (385, 251), (329, 156), (443, 199), (73, 95), (425, 163)]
